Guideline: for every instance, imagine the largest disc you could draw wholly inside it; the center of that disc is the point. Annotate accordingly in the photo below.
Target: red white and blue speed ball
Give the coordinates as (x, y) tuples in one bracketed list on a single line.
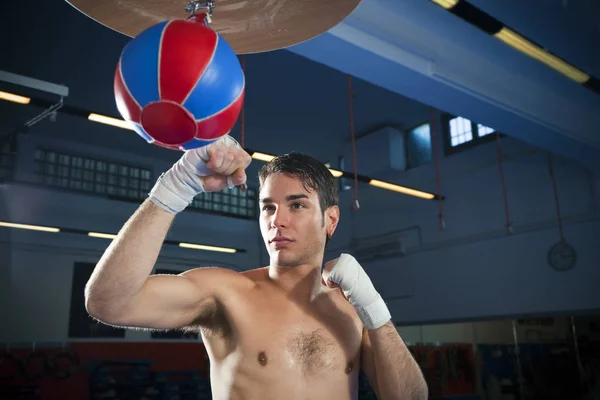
[(179, 84)]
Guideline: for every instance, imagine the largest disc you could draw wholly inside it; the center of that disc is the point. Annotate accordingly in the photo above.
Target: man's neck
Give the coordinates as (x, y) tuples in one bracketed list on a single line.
[(301, 282)]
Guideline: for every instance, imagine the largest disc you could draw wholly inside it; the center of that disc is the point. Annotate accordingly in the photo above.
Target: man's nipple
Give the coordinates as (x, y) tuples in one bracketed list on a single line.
[(262, 358)]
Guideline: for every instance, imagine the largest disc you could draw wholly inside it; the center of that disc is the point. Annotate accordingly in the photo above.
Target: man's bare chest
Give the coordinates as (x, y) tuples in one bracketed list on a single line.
[(283, 337), (305, 349)]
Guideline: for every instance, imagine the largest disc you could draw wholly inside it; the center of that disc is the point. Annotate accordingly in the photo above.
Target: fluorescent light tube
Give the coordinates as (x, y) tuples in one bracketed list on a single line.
[(102, 235), (447, 4), (336, 173), (262, 156), (518, 42), (207, 248), (15, 98), (119, 123), (401, 189), (29, 227)]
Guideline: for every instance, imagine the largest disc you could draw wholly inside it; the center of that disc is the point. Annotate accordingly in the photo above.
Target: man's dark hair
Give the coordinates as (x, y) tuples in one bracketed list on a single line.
[(312, 173)]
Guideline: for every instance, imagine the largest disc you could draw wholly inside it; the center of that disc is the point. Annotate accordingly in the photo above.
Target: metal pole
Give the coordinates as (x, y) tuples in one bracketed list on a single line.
[(518, 355), (582, 378)]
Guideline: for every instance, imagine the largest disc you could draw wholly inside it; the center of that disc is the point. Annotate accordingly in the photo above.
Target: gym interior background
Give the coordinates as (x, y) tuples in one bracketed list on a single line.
[(438, 105)]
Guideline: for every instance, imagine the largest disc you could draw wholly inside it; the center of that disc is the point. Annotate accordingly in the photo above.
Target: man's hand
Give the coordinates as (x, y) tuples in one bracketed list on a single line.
[(347, 274), (206, 169), (221, 164)]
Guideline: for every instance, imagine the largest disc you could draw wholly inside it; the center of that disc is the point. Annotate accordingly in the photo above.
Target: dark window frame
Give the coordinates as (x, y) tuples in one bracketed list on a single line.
[(90, 164), (220, 203)]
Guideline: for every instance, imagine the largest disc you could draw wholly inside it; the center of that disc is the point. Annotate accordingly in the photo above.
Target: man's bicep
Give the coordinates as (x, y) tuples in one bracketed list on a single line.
[(174, 301), (368, 362)]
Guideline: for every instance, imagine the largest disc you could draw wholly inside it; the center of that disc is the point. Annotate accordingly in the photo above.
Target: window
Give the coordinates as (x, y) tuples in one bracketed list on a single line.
[(418, 146), (483, 130), (229, 202), (90, 175), (460, 131), (463, 133), (129, 182)]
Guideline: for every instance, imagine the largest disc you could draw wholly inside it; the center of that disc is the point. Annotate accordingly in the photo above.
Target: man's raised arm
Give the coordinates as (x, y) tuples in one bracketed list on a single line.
[(121, 290)]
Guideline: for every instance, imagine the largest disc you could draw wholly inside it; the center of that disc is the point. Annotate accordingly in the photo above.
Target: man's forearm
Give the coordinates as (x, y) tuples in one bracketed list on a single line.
[(398, 374)]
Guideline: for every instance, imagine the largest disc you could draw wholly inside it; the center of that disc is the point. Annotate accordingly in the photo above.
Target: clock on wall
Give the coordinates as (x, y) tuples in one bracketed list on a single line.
[(562, 256)]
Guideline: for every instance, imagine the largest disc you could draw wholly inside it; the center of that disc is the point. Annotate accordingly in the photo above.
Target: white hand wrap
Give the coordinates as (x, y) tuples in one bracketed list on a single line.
[(358, 288), (175, 189)]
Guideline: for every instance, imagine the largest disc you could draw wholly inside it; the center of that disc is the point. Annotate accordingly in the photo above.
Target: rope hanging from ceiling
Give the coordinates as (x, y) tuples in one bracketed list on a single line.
[(509, 229), (558, 214), (355, 203), (243, 114), (433, 134)]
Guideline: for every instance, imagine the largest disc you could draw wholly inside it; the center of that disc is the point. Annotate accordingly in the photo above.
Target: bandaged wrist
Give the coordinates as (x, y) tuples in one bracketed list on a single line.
[(175, 189), (173, 195), (374, 315), (358, 288)]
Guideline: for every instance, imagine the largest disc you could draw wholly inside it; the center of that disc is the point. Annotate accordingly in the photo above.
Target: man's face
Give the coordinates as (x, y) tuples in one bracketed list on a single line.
[(291, 222)]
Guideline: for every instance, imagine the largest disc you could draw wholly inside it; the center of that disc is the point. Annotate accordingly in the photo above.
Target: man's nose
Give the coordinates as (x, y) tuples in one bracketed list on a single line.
[(280, 218)]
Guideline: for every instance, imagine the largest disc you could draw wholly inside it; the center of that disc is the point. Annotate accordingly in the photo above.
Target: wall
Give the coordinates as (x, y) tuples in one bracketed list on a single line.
[(474, 269)]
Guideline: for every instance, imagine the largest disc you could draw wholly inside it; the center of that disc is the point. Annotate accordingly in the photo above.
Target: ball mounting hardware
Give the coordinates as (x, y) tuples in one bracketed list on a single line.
[(197, 6)]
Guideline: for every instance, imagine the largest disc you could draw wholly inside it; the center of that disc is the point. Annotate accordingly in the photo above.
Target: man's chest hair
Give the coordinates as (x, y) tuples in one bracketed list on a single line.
[(313, 351)]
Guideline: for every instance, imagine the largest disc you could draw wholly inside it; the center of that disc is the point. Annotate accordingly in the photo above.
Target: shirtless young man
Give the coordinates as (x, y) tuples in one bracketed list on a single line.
[(277, 332)]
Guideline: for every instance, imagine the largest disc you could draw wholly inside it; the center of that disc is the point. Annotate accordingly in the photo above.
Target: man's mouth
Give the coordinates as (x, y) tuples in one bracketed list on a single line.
[(280, 239)]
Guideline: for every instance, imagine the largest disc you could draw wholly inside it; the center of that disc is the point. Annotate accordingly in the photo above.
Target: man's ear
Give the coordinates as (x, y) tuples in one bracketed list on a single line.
[(332, 217)]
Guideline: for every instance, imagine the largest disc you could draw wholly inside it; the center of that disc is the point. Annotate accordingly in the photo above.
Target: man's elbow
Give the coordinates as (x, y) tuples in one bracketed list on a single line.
[(100, 308), (97, 310), (420, 390)]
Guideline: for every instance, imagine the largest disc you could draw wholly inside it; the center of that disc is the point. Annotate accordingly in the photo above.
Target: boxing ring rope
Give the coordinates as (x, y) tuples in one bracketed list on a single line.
[(433, 134), (555, 188)]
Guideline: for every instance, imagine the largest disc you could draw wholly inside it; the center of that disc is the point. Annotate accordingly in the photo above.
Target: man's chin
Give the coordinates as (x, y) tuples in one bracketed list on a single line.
[(285, 260)]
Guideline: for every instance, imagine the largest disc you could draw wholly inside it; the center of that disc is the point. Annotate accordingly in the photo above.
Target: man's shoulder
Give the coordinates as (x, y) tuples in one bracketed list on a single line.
[(227, 274), (221, 275), (255, 274)]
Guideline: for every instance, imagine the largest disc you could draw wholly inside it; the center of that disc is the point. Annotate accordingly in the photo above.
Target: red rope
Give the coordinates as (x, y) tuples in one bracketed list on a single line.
[(355, 203), (500, 167), (243, 116), (433, 134), (551, 172)]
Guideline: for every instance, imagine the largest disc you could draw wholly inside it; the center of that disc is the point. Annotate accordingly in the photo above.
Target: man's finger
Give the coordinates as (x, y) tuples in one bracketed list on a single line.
[(228, 165), (216, 159), (238, 161), (239, 177)]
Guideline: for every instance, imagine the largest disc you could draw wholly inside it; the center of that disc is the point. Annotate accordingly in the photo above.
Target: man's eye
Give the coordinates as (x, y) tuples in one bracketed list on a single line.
[(266, 208), (297, 205)]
